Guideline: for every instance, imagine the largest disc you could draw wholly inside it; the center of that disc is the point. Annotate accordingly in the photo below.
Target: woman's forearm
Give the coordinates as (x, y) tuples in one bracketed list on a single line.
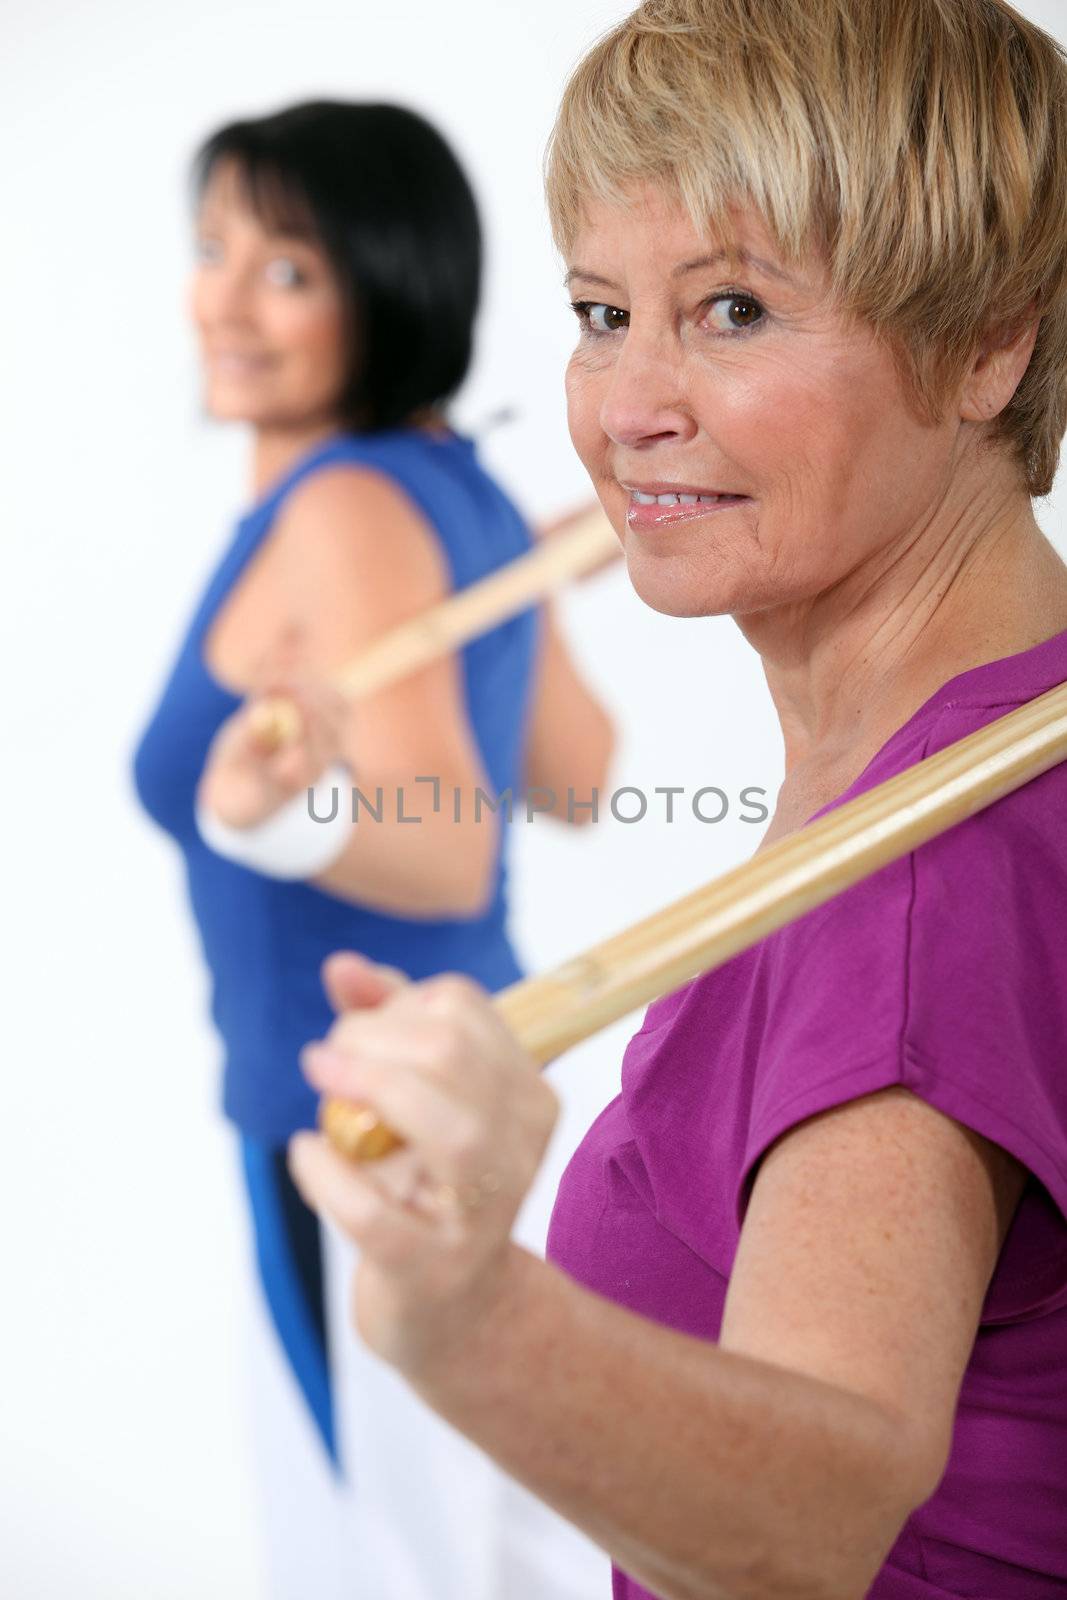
[(408, 854), (705, 1474), (570, 737)]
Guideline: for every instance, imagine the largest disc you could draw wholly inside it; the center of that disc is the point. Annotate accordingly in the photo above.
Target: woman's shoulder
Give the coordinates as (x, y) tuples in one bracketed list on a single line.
[(404, 455), (358, 485), (972, 700), (410, 484), (983, 887), (982, 899), (1022, 826), (952, 951), (396, 455), (350, 529), (1019, 838), (343, 483)]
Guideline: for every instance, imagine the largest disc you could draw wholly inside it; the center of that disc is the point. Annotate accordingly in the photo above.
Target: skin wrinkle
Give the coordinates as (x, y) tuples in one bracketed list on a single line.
[(764, 1412), (880, 552), (921, 152), (840, 602), (770, 1467), (898, 635)]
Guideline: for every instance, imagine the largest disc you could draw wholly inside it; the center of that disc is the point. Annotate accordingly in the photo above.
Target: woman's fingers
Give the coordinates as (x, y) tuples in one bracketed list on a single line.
[(296, 766), (426, 1112), (462, 1002), (434, 1218), (445, 1027), (235, 784), (439, 1067), (299, 762), (352, 982), (359, 1207)]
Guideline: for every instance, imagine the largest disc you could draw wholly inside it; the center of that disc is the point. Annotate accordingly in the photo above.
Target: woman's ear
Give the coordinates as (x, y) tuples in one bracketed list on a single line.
[(999, 365)]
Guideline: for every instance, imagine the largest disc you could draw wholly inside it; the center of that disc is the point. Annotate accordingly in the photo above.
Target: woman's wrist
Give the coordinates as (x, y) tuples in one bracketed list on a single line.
[(300, 840), (445, 1357)]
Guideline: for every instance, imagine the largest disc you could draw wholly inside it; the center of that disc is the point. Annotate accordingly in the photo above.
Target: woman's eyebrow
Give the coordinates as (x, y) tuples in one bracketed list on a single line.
[(589, 277), (711, 260), (282, 233), (744, 256)]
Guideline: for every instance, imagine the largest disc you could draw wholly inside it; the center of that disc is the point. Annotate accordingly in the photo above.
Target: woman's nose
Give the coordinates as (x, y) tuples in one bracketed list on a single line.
[(644, 401), (230, 294)]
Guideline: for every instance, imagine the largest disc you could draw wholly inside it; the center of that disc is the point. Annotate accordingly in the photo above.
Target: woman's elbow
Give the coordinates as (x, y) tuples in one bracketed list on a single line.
[(603, 745), (829, 1537), (887, 1486)]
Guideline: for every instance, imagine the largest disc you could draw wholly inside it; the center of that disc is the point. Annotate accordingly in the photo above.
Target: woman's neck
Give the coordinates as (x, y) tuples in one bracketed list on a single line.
[(851, 667), (274, 450)]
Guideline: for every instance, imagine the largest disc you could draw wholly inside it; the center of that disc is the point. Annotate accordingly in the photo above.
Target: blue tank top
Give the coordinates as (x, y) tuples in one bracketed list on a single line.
[(264, 939)]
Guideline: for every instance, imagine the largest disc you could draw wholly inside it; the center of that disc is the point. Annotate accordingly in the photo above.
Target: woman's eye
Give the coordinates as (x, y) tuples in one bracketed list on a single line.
[(208, 251), (597, 319), (735, 312), (284, 274)]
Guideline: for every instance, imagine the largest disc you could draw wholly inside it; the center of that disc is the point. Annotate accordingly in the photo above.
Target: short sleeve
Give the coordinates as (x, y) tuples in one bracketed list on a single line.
[(944, 973)]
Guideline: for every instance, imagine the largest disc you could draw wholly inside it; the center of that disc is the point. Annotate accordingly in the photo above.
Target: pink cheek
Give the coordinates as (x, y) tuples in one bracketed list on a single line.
[(589, 444), (583, 414), (322, 338)]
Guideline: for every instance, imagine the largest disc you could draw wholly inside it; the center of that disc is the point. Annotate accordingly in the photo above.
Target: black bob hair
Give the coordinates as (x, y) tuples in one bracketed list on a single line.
[(381, 193)]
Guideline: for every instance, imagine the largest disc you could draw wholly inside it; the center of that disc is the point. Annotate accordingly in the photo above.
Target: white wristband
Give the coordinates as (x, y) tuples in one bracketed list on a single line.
[(300, 840)]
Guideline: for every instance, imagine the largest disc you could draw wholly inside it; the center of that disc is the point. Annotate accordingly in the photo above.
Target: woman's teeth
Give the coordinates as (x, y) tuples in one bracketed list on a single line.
[(674, 499)]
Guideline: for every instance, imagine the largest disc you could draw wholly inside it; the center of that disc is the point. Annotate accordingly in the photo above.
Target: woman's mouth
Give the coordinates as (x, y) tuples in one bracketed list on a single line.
[(656, 506), (234, 364)]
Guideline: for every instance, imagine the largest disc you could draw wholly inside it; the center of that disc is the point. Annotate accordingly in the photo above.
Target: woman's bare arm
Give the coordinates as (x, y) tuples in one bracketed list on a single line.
[(570, 737), (782, 1464), (360, 558)]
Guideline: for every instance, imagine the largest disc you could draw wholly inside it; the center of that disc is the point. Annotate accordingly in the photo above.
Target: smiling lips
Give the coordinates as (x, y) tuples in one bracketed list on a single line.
[(657, 505), (237, 363)]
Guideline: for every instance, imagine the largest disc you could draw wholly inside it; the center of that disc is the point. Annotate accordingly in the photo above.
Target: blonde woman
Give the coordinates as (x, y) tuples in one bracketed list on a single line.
[(805, 1332)]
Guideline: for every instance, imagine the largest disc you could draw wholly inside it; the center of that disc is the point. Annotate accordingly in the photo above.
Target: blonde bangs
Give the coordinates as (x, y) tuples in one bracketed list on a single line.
[(918, 145), (692, 109)]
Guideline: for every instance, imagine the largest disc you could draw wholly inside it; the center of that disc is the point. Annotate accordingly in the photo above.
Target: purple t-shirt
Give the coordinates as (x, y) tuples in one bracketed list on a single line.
[(945, 972)]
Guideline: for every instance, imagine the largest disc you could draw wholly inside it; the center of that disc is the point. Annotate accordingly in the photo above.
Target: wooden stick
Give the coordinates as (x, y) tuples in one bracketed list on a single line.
[(552, 562), (548, 1014)]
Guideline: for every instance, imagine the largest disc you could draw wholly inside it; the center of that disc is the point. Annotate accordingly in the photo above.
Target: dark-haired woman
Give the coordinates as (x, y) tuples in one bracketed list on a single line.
[(334, 298)]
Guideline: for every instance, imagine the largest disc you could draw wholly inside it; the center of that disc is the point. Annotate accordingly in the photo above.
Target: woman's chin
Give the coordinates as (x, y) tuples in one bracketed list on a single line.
[(229, 408), (235, 402), (676, 590)]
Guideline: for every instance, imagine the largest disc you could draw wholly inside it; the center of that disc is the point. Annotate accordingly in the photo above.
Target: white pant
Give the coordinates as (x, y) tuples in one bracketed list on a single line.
[(430, 1516), (303, 1507), (422, 1515)]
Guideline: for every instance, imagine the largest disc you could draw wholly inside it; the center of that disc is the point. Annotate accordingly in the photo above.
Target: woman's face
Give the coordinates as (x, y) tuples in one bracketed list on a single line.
[(755, 389), (269, 314)]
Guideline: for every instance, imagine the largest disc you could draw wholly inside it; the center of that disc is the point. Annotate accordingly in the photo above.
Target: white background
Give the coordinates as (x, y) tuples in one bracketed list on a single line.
[(123, 1468)]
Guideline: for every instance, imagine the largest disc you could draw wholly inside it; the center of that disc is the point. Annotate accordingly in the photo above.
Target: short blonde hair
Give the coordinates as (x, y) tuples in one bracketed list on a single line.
[(921, 145)]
